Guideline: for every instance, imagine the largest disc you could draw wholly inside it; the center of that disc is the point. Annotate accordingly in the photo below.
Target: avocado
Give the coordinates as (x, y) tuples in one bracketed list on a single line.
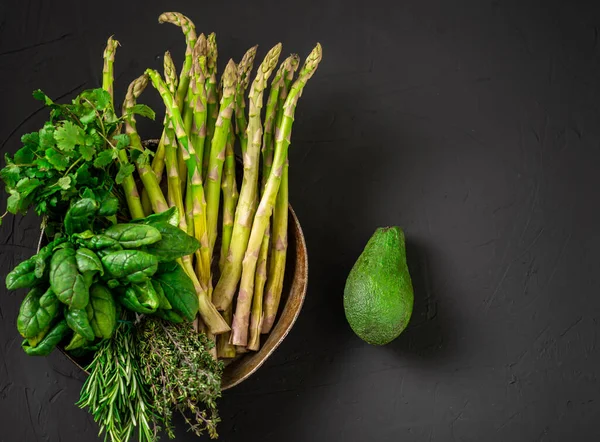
[(378, 297)]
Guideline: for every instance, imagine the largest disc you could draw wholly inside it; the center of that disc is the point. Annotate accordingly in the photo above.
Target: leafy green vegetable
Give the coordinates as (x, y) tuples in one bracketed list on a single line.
[(42, 259), (170, 216), (133, 265), (36, 313), (175, 243), (139, 298), (66, 281), (51, 340), (22, 276), (88, 261), (77, 342), (103, 311), (79, 216), (163, 302), (78, 321), (132, 236), (179, 290)]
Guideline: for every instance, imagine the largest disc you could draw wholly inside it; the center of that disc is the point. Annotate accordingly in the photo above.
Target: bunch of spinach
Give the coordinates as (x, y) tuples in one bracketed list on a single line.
[(81, 279)]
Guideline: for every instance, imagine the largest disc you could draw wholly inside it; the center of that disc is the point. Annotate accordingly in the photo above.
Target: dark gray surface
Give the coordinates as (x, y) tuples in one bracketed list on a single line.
[(472, 124)]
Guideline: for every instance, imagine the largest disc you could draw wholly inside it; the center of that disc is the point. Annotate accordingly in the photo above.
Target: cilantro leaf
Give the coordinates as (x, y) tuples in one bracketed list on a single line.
[(101, 98), (87, 152), (123, 141), (104, 158), (11, 175), (46, 136), (64, 182), (24, 155), (125, 170), (68, 136), (143, 110), (57, 159), (39, 95), (13, 202), (32, 139)]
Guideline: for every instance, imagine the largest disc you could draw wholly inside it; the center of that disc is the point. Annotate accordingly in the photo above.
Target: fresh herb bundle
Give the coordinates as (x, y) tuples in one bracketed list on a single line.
[(181, 374)]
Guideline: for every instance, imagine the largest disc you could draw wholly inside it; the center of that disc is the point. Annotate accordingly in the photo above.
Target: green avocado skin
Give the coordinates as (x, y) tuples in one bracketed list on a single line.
[(378, 297)]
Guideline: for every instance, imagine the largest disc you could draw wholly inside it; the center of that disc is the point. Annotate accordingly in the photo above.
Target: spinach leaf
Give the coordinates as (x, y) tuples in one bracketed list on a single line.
[(102, 311), (51, 340), (139, 299), (132, 236), (22, 276), (170, 216), (77, 341), (88, 261), (175, 243), (37, 311), (133, 265), (163, 302), (108, 206), (179, 290), (78, 321), (66, 281), (43, 256), (79, 215)]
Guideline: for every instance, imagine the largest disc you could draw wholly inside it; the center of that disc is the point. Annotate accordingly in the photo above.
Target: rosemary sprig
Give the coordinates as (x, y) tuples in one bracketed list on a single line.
[(115, 393)]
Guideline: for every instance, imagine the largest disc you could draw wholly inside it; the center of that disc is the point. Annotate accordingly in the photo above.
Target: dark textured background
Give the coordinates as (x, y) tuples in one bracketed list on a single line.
[(472, 124)]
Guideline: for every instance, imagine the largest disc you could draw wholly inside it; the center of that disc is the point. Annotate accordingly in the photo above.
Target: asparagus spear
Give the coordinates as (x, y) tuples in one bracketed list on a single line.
[(267, 159), (108, 77), (212, 106), (244, 69), (158, 162), (263, 213), (211, 317), (217, 152), (157, 199), (189, 30), (230, 197), (280, 227), (230, 276), (198, 134), (129, 187)]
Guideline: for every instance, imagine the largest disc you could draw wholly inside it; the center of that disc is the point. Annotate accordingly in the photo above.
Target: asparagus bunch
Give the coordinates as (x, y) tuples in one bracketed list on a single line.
[(242, 231)]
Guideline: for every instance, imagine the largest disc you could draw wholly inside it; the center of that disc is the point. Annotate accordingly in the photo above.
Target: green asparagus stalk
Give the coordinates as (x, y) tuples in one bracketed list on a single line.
[(225, 349), (267, 160), (198, 134), (215, 323), (174, 195), (189, 30), (129, 187), (230, 196), (157, 199), (244, 70), (217, 152), (278, 254), (211, 98), (108, 77), (158, 161), (265, 207), (226, 286)]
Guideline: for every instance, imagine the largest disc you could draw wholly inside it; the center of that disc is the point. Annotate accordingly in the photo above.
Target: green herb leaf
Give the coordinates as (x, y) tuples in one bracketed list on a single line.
[(143, 110), (105, 158), (64, 182), (68, 136), (57, 159), (122, 140), (125, 170), (39, 95)]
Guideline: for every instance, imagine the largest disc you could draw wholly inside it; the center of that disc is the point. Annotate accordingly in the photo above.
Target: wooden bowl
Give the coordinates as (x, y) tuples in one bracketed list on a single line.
[(292, 298)]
